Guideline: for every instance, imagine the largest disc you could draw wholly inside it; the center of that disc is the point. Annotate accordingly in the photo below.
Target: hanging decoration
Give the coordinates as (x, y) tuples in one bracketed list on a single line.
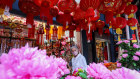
[(71, 30), (120, 22), (100, 24), (130, 10), (67, 6), (31, 9), (54, 37), (132, 22), (40, 33), (47, 33), (85, 4)]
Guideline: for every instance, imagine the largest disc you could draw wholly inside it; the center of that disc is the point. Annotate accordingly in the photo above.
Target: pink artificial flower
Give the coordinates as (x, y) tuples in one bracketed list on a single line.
[(31, 63), (124, 55), (135, 58), (126, 41), (62, 52), (120, 57), (119, 64), (125, 73), (119, 42), (125, 51), (63, 43), (98, 71), (135, 46), (137, 53), (73, 77)]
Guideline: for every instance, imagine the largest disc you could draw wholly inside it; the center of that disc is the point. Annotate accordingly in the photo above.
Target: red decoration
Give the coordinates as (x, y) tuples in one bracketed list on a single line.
[(49, 3), (55, 33), (54, 11), (132, 22), (121, 9), (126, 1), (40, 33), (96, 16), (79, 14), (107, 32), (28, 7), (64, 18), (47, 33), (4, 3), (85, 4), (89, 13), (89, 36), (100, 24), (130, 9), (67, 6), (31, 32), (71, 30), (120, 22)]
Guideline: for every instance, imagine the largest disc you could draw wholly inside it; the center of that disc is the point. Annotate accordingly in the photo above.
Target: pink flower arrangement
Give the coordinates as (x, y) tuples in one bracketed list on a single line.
[(62, 52), (136, 58), (126, 41), (137, 53), (98, 71), (73, 77), (125, 55), (63, 43), (135, 46), (119, 64), (125, 73), (31, 63), (119, 42)]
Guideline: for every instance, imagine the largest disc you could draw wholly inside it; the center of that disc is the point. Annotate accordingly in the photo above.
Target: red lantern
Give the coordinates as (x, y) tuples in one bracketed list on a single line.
[(100, 24), (71, 30), (4, 3), (64, 19), (89, 13), (96, 16), (79, 14), (132, 22), (55, 33), (49, 3), (85, 4), (127, 1), (130, 9), (120, 22), (67, 6), (54, 11), (28, 7), (107, 32), (121, 9)]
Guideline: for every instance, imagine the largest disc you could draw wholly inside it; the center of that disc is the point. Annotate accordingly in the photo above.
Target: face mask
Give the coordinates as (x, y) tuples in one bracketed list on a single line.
[(75, 53)]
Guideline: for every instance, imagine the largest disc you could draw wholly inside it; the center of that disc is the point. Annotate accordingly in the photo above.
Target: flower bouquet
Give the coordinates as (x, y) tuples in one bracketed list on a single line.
[(131, 55)]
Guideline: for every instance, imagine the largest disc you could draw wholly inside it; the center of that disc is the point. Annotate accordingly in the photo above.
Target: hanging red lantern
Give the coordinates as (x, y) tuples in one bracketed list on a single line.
[(107, 32), (120, 22), (54, 11), (31, 9), (67, 6), (40, 33), (49, 3), (55, 33), (132, 22), (89, 13), (121, 9), (85, 4), (100, 24), (130, 9), (96, 16), (4, 3), (65, 19), (79, 14), (71, 30)]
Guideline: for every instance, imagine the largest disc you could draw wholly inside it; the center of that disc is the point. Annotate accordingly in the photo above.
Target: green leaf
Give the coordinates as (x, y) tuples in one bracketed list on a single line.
[(83, 75), (62, 77), (134, 64)]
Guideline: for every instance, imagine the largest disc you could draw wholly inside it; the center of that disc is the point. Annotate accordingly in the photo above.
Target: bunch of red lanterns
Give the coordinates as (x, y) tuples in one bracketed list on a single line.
[(82, 16)]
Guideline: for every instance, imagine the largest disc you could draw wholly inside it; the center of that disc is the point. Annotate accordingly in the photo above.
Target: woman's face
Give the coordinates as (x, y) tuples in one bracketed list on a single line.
[(74, 51)]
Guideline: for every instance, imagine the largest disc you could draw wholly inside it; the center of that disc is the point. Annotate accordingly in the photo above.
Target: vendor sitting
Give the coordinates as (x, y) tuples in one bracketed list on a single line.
[(78, 61)]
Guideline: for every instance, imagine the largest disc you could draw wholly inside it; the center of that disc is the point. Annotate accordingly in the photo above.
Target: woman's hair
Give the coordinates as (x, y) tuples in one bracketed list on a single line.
[(74, 47)]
